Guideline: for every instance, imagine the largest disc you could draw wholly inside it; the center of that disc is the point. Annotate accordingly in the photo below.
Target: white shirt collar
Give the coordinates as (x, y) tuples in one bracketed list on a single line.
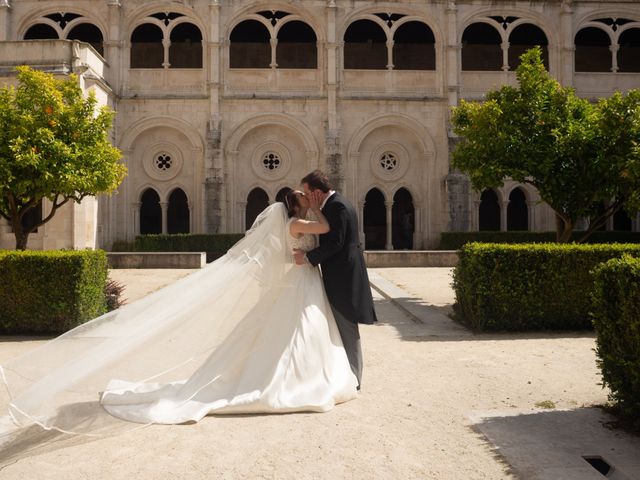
[(331, 192)]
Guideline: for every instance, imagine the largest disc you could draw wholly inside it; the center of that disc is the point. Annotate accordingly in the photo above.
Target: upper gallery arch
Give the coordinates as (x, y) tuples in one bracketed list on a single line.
[(400, 40), (74, 25), (272, 39)]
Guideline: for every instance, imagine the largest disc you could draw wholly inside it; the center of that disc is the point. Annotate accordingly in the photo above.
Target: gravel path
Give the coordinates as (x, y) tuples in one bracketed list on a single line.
[(411, 421)]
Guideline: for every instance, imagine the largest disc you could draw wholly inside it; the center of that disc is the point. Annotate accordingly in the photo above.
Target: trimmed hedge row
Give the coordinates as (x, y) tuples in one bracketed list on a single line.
[(455, 240), (50, 292), (215, 245), (616, 318), (501, 287)]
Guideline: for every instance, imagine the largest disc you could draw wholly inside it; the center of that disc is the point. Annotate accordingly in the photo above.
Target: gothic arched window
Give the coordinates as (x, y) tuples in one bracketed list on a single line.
[(147, 50), (517, 211), (250, 45), (178, 212), (150, 212), (185, 50), (524, 37), (481, 48), (414, 47), (593, 52), (257, 201), (89, 33), (296, 46), (365, 46), (489, 214)]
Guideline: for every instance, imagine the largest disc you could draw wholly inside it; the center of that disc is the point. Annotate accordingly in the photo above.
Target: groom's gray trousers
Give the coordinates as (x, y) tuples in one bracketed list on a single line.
[(351, 341)]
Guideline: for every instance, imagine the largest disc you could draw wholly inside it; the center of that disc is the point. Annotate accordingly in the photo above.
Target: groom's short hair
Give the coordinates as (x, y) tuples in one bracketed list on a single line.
[(317, 180)]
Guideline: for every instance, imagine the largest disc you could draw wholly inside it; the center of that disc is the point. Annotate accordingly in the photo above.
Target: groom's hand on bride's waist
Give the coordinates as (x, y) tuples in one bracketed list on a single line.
[(300, 257)]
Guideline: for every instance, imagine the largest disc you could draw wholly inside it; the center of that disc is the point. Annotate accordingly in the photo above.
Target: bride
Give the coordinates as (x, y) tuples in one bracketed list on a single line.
[(249, 333)]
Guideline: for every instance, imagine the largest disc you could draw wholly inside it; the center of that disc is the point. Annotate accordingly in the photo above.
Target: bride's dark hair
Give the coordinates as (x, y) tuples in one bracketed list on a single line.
[(291, 202)]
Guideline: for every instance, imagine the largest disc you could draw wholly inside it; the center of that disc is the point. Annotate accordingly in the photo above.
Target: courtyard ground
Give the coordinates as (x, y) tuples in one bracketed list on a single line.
[(437, 402)]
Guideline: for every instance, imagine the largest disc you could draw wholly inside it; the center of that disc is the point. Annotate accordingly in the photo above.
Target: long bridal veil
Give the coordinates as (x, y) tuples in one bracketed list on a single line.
[(162, 337)]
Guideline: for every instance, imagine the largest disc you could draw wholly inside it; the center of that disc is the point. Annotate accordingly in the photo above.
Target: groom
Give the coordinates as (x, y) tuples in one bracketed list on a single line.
[(343, 269)]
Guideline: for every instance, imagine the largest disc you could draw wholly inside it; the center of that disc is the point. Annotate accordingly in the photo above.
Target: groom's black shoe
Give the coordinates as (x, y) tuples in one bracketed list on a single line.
[(358, 388)]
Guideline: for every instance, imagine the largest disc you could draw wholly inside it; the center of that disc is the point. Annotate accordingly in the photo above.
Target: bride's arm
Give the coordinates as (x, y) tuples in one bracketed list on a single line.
[(320, 226)]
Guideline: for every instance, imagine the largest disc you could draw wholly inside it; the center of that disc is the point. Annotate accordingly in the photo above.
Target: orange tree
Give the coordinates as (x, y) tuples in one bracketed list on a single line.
[(54, 144), (578, 155)]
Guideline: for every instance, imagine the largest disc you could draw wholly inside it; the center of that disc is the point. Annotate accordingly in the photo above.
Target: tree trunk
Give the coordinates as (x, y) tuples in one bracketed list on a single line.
[(564, 229), (21, 237)]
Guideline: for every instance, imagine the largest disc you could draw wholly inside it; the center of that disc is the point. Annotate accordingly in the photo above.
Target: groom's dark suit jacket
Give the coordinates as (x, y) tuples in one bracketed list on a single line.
[(343, 269)]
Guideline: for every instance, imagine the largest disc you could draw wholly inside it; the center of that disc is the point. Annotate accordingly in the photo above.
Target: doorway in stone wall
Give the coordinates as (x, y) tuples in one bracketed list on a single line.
[(403, 215), (374, 220)]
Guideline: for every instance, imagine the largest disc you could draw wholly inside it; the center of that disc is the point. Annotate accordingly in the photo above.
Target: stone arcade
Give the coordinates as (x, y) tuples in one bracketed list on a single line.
[(223, 105)]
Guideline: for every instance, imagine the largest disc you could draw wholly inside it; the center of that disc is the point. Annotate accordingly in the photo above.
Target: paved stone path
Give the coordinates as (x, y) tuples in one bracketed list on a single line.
[(437, 403)]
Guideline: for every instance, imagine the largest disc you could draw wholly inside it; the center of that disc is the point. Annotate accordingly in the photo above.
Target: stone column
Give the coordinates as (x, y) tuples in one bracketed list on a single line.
[(389, 211), (531, 210), (213, 158), (476, 216), (417, 228), (452, 52), (504, 204), (505, 56), (191, 223), (390, 54), (135, 208), (274, 46), (242, 215), (566, 47), (458, 191), (5, 20), (113, 47), (166, 43), (614, 57), (165, 207), (333, 155)]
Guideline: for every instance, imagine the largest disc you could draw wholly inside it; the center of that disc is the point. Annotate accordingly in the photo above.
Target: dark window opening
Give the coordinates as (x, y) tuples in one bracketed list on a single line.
[(185, 50), (375, 220), (629, 51), (403, 215), (41, 31), (257, 201), (296, 46), (365, 46), (592, 52), (414, 47), (250, 46), (517, 211), (481, 48), (147, 50), (150, 212), (523, 38), (86, 32), (489, 211), (178, 212), (622, 221)]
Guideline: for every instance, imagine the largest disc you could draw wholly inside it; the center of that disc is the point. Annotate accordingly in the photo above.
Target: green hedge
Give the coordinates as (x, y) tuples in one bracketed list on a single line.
[(455, 240), (215, 245), (528, 286), (616, 318), (50, 292)]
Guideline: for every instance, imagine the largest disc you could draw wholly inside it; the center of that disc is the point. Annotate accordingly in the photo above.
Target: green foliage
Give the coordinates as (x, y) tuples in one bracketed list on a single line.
[(54, 144), (576, 154), (50, 292), (616, 318), (455, 240), (215, 245), (528, 286)]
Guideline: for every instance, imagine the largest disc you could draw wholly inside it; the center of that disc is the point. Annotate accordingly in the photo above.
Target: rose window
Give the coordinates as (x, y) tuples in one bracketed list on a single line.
[(271, 161), (163, 162), (388, 161)]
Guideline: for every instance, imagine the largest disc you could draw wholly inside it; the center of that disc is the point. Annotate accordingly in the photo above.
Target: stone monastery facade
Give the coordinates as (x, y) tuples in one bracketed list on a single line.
[(223, 105)]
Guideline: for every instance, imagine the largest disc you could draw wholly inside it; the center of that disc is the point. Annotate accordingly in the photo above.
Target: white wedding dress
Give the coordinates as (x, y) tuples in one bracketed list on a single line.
[(286, 358), (249, 333)]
